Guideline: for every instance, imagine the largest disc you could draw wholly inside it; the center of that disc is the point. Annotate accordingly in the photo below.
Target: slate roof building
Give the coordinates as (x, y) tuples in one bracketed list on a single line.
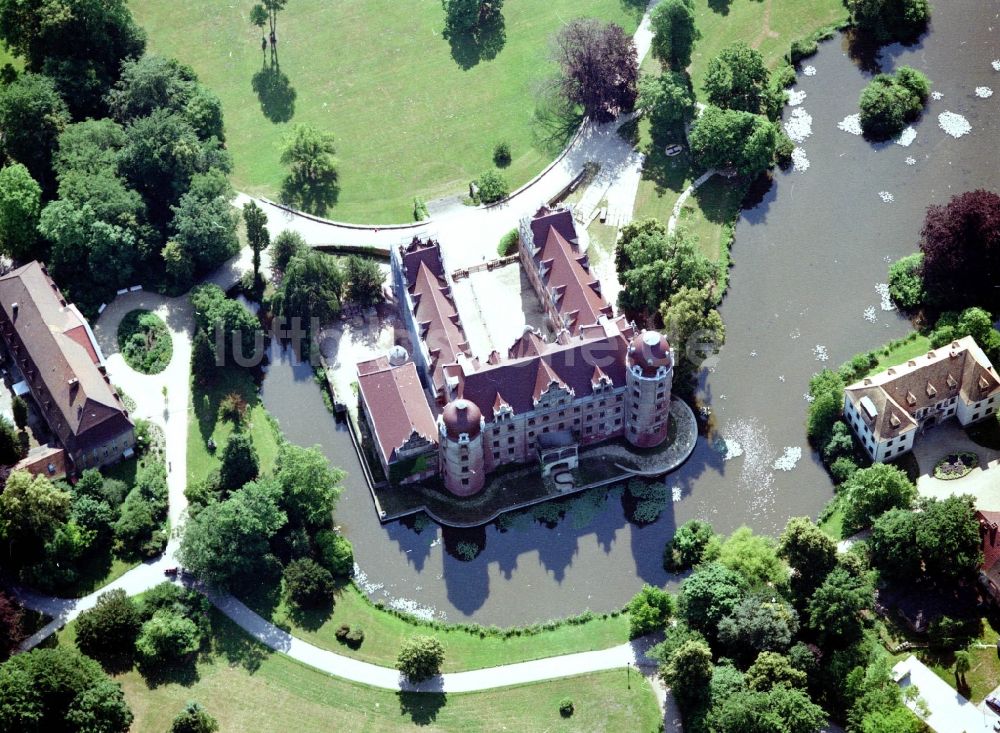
[(888, 410), (52, 346), (599, 378)]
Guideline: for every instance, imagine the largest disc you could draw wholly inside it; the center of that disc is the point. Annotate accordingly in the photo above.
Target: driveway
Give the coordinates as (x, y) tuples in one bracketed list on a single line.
[(982, 482), (948, 712)]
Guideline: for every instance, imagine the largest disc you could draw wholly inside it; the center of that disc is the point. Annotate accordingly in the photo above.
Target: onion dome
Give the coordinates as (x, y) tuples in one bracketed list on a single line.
[(461, 416), (650, 350)]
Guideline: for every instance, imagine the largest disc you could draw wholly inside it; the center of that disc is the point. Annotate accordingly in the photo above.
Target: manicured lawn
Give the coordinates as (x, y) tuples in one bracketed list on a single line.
[(983, 676), (917, 346), (246, 687), (833, 525), (408, 119), (385, 632), (204, 423), (769, 26)]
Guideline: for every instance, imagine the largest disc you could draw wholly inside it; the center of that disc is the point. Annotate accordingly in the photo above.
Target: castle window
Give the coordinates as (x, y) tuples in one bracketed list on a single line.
[(465, 482), (510, 440), (618, 421), (496, 455)]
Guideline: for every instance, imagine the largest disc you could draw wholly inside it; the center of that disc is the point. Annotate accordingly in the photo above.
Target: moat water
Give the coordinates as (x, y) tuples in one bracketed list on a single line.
[(807, 259)]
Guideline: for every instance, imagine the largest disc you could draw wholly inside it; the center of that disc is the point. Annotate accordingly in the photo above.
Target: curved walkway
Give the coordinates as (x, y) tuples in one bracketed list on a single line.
[(597, 143), (685, 194)]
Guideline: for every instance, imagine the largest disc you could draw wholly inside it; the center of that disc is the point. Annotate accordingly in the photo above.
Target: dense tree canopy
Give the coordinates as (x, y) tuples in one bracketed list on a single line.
[(872, 491), (737, 79), (779, 710), (687, 546), (688, 673), (721, 138), (890, 101), (154, 82), (960, 242), (108, 630), (653, 265), (889, 20), (759, 623), (309, 486), (810, 552), (11, 625), (31, 511), (229, 540), (311, 288), (81, 44), (364, 280), (599, 69), (307, 583), (906, 285), (710, 594), (20, 206), (465, 16), (674, 32), (754, 558), (835, 608), (194, 719), (668, 101), (649, 610), (32, 116), (214, 311), (60, 690)]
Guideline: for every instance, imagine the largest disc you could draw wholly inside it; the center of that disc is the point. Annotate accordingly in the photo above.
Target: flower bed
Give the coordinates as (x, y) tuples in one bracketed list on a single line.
[(144, 341), (955, 465)]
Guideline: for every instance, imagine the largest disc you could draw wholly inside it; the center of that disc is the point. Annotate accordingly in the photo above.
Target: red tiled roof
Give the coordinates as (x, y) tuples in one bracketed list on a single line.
[(396, 403), (517, 381), (48, 340), (434, 309), (565, 271)]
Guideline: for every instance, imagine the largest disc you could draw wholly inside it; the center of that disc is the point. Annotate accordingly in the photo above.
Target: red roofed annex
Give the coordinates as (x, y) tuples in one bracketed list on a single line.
[(51, 345)]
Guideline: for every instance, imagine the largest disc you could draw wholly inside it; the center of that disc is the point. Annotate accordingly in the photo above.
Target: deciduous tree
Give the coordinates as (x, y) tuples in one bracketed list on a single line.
[(108, 630), (668, 101), (872, 491), (674, 32), (60, 689), (961, 245), (420, 658), (32, 115), (737, 79), (722, 138), (20, 208), (649, 610), (599, 69)]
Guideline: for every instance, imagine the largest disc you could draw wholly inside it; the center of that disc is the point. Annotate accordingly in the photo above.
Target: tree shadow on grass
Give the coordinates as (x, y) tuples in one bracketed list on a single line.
[(468, 49), (206, 398), (554, 122), (235, 645), (312, 618), (274, 91), (182, 672), (311, 195), (422, 707), (720, 6)]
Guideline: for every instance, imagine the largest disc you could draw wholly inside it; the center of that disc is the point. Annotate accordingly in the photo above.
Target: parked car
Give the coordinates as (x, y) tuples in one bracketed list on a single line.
[(994, 702), (672, 150), (171, 572)]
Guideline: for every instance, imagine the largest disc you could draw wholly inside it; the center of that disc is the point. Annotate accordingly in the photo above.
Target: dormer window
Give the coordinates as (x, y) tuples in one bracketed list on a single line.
[(911, 399), (950, 381), (931, 391), (894, 421)]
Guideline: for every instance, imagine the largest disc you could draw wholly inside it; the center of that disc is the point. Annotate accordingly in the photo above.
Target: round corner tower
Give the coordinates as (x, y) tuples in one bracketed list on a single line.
[(463, 463), (649, 378)]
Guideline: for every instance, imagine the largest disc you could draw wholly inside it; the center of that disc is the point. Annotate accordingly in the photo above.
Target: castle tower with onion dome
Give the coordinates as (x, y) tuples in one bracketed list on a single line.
[(463, 462), (649, 378)]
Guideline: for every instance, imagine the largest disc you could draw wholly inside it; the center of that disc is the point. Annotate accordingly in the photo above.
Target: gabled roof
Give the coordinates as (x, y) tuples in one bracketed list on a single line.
[(519, 382), (565, 271), (959, 369), (396, 404), (434, 308), (55, 350)]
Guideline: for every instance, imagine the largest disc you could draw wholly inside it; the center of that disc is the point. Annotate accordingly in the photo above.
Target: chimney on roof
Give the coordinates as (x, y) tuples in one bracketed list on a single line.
[(13, 308)]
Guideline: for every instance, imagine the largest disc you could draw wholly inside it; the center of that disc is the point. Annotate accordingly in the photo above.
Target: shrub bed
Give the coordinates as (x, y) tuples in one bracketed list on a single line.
[(145, 342), (955, 465)]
